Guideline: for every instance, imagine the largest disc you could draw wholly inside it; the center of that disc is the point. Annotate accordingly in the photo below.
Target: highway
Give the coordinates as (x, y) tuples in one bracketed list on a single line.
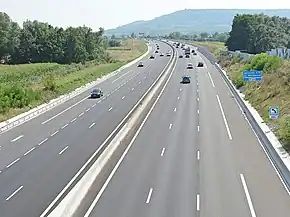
[(40, 157), (195, 156)]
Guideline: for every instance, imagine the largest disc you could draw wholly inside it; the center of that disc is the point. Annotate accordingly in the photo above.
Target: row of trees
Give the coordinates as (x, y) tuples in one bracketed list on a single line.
[(41, 42), (204, 36), (258, 33)]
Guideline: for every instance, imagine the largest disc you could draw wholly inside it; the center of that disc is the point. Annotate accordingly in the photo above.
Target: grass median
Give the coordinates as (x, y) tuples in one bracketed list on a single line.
[(274, 90), (25, 86)]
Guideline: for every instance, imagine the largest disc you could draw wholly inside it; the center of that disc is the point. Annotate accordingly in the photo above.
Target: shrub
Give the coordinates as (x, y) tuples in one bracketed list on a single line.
[(50, 84)]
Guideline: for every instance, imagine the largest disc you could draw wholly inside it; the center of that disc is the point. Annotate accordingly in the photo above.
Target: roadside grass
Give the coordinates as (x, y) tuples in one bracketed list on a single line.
[(25, 86), (213, 46), (274, 90)]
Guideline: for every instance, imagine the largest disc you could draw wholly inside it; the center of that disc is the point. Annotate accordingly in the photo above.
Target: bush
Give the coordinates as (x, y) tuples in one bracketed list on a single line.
[(50, 84), (264, 62), (284, 133)]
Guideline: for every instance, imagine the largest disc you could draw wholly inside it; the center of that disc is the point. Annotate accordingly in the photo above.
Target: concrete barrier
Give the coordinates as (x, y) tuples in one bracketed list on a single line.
[(72, 202)]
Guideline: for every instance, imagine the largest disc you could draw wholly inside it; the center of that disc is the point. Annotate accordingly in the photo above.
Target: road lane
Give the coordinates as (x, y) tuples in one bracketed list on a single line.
[(98, 106), (265, 187), (45, 164), (158, 175), (107, 85)]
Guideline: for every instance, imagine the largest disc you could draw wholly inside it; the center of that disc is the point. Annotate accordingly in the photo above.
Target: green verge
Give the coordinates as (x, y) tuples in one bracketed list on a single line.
[(25, 86), (214, 46), (273, 90)]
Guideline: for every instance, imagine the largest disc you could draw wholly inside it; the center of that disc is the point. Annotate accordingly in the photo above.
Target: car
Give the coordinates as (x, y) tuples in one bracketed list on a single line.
[(190, 66), (200, 64), (140, 64), (96, 93), (156, 51), (157, 48), (180, 56), (186, 56), (151, 57), (168, 54), (162, 54), (194, 53), (185, 79)]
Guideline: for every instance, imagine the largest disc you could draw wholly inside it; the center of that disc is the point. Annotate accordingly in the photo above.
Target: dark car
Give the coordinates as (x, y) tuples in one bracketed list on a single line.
[(140, 64), (185, 79), (157, 48), (156, 51), (200, 64), (186, 56), (97, 93), (151, 57), (162, 54), (168, 54), (189, 66), (180, 56), (194, 53)]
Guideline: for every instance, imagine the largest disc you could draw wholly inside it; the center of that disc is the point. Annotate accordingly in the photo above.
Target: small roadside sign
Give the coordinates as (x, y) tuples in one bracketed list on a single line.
[(273, 112), (252, 75)]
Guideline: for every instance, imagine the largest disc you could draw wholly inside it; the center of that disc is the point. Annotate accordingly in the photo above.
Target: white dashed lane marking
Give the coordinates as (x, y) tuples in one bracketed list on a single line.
[(73, 120), (17, 138), (26, 153), (43, 141), (64, 126), (54, 133), (12, 163), (123, 97), (63, 150), (93, 124), (14, 193), (110, 109)]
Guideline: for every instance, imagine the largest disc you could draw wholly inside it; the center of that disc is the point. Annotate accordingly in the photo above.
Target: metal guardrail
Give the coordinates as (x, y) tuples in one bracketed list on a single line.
[(275, 158)]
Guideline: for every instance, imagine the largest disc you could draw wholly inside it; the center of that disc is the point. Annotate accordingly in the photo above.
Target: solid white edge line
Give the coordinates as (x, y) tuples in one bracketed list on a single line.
[(252, 210), (126, 150), (149, 195), (210, 79), (17, 138), (197, 202), (162, 152), (224, 118), (14, 193), (106, 140)]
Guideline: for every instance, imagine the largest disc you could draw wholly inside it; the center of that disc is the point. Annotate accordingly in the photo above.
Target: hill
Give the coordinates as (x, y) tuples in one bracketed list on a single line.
[(191, 21)]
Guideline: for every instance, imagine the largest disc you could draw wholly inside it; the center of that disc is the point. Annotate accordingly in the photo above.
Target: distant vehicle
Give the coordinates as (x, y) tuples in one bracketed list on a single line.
[(96, 93), (190, 66), (168, 54), (185, 79), (151, 57), (194, 53), (180, 56), (156, 51), (140, 64), (200, 64), (162, 54), (157, 48), (186, 56)]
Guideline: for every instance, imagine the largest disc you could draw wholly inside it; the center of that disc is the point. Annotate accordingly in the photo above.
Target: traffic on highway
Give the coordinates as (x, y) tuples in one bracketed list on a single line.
[(193, 155)]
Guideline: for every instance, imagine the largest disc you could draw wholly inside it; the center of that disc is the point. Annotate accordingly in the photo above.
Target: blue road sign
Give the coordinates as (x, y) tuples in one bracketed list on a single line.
[(252, 75), (273, 112)]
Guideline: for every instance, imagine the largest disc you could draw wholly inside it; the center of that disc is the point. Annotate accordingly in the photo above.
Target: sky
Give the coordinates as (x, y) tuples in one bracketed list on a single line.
[(112, 13)]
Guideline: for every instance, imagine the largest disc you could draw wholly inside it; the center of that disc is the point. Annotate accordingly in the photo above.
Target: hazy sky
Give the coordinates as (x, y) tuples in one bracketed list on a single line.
[(113, 13)]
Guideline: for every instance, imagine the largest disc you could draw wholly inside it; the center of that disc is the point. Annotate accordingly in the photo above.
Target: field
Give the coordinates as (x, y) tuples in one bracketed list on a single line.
[(25, 86), (273, 90), (213, 47)]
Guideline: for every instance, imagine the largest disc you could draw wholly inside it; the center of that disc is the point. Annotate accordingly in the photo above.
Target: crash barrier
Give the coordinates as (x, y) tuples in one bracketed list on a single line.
[(277, 156), (24, 117), (80, 192)]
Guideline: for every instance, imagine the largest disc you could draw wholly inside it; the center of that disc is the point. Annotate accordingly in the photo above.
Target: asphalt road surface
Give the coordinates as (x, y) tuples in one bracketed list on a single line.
[(38, 158), (196, 156)]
